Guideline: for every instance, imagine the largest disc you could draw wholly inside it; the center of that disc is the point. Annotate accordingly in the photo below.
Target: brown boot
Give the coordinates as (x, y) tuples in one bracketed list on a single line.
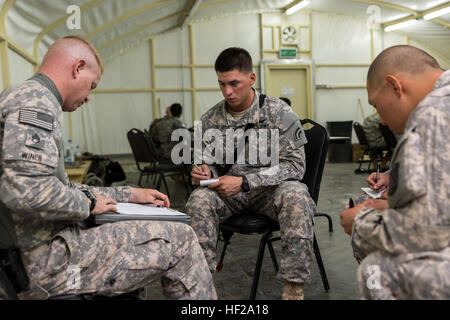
[(292, 291)]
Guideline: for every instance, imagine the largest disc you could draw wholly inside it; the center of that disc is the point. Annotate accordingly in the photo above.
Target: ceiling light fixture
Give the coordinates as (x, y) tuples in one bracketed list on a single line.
[(400, 25), (299, 5), (437, 13)]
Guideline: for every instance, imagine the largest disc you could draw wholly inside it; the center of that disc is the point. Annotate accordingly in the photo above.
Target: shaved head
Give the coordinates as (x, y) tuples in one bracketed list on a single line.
[(402, 59), (75, 67), (73, 47), (398, 79)]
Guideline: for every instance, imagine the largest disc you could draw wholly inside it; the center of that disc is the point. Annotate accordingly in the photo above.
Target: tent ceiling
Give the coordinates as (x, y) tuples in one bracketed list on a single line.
[(115, 26)]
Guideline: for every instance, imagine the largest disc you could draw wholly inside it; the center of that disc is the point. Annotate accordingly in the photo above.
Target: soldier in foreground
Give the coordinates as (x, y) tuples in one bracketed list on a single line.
[(272, 189), (45, 207), (403, 242)]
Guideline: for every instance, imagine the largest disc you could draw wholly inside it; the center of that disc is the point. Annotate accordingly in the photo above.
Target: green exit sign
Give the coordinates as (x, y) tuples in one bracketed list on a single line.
[(288, 53)]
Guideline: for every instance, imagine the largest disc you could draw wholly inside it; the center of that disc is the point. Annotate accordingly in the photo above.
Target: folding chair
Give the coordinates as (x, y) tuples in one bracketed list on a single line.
[(144, 151), (367, 150)]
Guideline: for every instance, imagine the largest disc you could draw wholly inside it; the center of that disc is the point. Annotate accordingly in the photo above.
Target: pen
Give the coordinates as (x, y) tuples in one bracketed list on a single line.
[(378, 173), (195, 165), (351, 203)]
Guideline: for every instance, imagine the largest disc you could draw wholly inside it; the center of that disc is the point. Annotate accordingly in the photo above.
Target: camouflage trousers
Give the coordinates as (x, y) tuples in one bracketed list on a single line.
[(423, 275), (288, 203), (122, 257)]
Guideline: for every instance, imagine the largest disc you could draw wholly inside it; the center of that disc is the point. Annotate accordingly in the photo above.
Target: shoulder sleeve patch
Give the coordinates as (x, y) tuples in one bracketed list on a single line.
[(36, 118)]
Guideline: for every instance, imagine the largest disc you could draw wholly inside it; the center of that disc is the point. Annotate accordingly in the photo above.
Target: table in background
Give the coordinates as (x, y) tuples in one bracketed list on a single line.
[(78, 172)]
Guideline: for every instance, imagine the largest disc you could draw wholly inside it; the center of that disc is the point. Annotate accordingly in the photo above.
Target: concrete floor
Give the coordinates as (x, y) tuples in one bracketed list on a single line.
[(339, 182)]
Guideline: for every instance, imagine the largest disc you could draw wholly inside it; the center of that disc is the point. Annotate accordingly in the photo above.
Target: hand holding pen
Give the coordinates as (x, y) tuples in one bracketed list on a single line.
[(201, 172)]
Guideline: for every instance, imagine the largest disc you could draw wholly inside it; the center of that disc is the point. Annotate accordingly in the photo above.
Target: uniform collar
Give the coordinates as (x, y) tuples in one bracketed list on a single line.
[(252, 115), (49, 84)]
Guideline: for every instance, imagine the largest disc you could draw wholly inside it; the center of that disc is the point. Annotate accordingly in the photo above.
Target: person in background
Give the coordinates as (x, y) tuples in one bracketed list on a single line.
[(161, 130), (287, 100)]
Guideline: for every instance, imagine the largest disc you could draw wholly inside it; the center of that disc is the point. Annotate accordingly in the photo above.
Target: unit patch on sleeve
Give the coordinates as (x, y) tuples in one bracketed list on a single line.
[(35, 118), (34, 139)]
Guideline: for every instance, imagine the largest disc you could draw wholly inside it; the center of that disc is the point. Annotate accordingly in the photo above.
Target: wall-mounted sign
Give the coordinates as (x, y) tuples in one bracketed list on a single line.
[(290, 53)]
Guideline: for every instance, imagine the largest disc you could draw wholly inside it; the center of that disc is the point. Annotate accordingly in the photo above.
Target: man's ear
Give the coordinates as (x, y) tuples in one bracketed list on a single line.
[(394, 84), (77, 67), (252, 78)]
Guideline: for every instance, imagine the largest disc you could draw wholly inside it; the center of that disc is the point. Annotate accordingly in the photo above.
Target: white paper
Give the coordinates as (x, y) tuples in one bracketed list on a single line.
[(208, 182), (146, 209), (373, 194)]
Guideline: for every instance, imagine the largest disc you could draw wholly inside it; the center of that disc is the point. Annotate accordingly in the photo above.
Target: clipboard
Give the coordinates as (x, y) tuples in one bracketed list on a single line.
[(134, 211)]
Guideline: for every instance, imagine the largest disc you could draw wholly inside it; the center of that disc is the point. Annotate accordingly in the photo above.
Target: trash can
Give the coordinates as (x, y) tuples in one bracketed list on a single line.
[(340, 148)]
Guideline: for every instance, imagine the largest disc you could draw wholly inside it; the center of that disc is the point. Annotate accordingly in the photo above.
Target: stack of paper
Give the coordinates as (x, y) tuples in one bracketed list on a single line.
[(134, 211)]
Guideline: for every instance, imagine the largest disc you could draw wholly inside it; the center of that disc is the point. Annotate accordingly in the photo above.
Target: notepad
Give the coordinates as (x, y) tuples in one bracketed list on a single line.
[(135, 211), (373, 194)]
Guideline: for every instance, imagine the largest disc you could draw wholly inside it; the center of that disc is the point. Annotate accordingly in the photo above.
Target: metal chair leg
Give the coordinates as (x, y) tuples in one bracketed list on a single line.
[(273, 255), (165, 184), (185, 184), (326, 285), (259, 260), (330, 221), (226, 241)]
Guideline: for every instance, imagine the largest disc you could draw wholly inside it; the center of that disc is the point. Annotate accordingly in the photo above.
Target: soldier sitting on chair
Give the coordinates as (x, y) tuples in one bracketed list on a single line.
[(45, 207), (277, 193)]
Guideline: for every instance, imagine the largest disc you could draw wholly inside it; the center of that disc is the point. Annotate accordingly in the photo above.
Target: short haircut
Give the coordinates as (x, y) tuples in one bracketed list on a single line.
[(234, 59), (92, 48), (287, 100), (401, 58), (176, 109)]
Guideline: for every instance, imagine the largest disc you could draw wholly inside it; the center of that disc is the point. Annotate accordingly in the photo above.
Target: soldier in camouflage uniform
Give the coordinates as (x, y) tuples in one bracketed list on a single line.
[(61, 256), (161, 130), (403, 242), (252, 186), (371, 126)]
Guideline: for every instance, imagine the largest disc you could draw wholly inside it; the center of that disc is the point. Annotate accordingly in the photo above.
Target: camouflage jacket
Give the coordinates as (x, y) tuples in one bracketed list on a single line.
[(418, 218), (34, 186), (161, 133), (275, 133), (371, 127)]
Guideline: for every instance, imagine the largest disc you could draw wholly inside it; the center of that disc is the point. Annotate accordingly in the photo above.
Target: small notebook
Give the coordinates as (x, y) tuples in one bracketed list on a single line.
[(135, 211), (373, 194)]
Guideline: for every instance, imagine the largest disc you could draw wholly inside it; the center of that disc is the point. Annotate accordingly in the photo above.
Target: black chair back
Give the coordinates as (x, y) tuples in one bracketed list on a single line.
[(140, 146), (389, 137), (361, 135), (316, 153)]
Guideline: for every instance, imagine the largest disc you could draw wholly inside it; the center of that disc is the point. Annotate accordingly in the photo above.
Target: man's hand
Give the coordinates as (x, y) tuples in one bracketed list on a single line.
[(348, 216), (198, 175), (139, 195), (379, 185), (377, 204), (103, 205), (227, 186)]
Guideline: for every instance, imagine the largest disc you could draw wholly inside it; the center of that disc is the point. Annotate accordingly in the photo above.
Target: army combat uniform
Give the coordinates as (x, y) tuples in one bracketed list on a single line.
[(62, 257), (406, 248), (371, 128), (161, 133), (279, 195)]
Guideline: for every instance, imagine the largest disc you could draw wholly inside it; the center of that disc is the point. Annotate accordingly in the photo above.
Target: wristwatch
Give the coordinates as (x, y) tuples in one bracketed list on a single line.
[(244, 186), (91, 196)]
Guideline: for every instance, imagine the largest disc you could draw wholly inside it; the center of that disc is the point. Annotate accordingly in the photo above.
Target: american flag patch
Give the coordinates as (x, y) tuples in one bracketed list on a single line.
[(37, 119)]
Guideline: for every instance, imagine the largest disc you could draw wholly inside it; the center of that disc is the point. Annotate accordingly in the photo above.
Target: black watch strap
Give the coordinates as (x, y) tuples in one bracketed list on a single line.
[(244, 186), (91, 196)]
